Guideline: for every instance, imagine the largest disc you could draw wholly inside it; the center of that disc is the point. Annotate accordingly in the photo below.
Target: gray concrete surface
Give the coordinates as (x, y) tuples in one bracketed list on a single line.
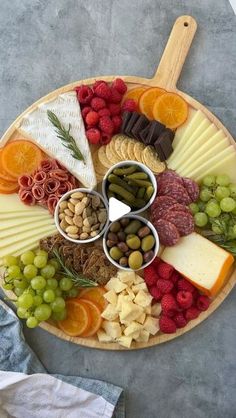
[(45, 44)]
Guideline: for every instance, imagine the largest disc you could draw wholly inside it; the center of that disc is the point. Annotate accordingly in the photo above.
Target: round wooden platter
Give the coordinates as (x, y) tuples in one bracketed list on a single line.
[(166, 76)]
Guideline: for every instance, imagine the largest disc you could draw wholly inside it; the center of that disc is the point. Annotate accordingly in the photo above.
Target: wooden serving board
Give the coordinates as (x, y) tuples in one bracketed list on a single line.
[(166, 76)]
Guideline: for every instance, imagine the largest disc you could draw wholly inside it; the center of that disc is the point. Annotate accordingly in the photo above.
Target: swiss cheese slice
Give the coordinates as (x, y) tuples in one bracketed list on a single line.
[(38, 128), (203, 263)]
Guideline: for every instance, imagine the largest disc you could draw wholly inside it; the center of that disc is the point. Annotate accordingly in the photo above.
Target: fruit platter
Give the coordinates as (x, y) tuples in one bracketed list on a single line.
[(118, 208)]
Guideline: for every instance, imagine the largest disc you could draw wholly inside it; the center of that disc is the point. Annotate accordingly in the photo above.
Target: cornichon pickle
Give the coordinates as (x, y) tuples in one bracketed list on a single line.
[(125, 170), (141, 192), (115, 188), (139, 175), (149, 192), (112, 178), (147, 243), (142, 183), (135, 260), (110, 194), (133, 227)]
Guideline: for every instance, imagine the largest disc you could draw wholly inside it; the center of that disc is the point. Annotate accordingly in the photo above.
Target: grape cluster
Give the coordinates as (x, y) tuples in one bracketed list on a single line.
[(216, 207), (39, 287)]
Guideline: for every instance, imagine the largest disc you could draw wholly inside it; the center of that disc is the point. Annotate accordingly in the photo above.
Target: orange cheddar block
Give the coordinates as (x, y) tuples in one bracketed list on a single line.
[(202, 262)]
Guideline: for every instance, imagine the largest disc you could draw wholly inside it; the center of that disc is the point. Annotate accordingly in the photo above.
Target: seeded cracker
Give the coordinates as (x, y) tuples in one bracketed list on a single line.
[(138, 150), (103, 157), (150, 158), (123, 148), (110, 155), (118, 142)]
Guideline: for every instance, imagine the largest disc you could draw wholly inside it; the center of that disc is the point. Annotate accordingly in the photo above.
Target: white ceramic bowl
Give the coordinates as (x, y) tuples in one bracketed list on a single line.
[(145, 222), (143, 168), (65, 197)]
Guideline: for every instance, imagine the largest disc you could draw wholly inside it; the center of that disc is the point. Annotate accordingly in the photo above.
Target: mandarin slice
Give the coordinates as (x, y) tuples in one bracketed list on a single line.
[(3, 173), (94, 294), (96, 319), (147, 100), (78, 319), (20, 157), (171, 110), (7, 187), (134, 94)]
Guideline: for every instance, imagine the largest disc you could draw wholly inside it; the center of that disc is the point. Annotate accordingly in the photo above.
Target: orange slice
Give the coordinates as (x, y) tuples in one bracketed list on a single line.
[(147, 100), (94, 294), (78, 319), (3, 173), (171, 110), (134, 94), (7, 187), (96, 319), (20, 157)]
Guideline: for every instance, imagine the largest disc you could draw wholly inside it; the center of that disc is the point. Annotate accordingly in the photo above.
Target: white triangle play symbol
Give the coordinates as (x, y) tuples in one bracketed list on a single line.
[(117, 209)]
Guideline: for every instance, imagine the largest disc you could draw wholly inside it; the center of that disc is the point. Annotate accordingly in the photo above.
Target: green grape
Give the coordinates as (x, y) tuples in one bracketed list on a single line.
[(14, 272), (40, 261), (49, 296), (227, 204), (38, 300), (222, 192), (52, 284), (232, 189), (10, 260), (209, 181), (8, 286), (32, 322), (27, 258), (213, 210), (22, 313), (21, 283), (40, 292), (205, 195), (43, 312), (48, 271), (223, 180), (58, 291), (30, 271), (53, 262), (25, 301), (200, 219), (18, 291), (72, 293), (38, 283), (65, 283), (58, 304), (213, 200), (217, 229), (59, 316), (193, 208), (41, 252), (201, 206), (30, 291), (231, 233)]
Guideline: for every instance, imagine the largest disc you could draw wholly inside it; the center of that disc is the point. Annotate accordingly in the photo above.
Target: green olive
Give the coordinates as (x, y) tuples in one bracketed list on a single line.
[(133, 227), (115, 227), (147, 243), (135, 260), (133, 241), (115, 253)]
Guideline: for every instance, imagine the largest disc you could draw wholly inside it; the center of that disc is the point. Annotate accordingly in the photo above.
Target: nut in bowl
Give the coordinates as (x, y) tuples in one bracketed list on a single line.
[(131, 182), (131, 243), (81, 215)]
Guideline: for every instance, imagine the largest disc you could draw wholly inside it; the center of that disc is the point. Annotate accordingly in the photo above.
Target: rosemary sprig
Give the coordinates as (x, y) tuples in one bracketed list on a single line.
[(64, 134), (78, 279)]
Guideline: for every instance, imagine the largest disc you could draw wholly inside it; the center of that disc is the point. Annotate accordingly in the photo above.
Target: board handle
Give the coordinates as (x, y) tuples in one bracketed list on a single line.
[(175, 52)]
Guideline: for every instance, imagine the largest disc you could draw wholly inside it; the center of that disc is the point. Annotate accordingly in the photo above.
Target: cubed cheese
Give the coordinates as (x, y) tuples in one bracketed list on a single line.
[(125, 341), (120, 300), (132, 329), (110, 313), (103, 337), (130, 311), (143, 299), (141, 318), (141, 286), (151, 325), (116, 285), (156, 310), (111, 297), (138, 279), (112, 328), (148, 310), (130, 293), (203, 263), (127, 277), (143, 336)]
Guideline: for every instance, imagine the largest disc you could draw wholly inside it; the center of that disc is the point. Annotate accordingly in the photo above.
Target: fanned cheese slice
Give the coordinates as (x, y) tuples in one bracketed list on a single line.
[(11, 203), (38, 128)]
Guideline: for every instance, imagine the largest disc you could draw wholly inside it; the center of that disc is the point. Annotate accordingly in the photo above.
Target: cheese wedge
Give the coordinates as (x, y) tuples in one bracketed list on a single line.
[(29, 226), (226, 166), (38, 128), (23, 236), (11, 203), (203, 263), (181, 130), (28, 247)]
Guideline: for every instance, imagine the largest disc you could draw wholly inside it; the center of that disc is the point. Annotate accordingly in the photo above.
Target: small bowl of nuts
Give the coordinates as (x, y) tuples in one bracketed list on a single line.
[(81, 215), (131, 242)]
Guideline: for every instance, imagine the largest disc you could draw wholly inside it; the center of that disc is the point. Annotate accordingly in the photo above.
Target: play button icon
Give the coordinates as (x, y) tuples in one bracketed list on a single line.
[(117, 209)]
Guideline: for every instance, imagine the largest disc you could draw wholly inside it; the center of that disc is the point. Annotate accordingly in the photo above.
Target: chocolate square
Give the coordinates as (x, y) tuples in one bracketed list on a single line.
[(132, 120), (156, 128), (125, 119), (164, 143), (141, 123), (143, 134)]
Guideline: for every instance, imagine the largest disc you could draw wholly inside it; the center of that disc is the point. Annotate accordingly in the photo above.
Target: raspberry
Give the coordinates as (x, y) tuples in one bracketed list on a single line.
[(97, 103), (119, 85), (155, 292), (191, 313), (150, 276), (184, 299), (195, 294), (165, 286), (117, 121), (103, 90), (104, 112), (180, 320), (105, 138), (129, 105), (97, 83), (164, 270), (183, 284), (167, 325), (84, 94), (85, 111), (203, 303), (115, 97), (93, 135), (169, 305), (155, 263), (92, 118), (114, 109), (175, 277), (106, 125)]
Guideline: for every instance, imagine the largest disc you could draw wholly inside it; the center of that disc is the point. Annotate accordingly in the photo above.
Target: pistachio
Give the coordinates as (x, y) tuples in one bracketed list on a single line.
[(86, 229), (74, 201), (68, 212), (72, 229), (62, 215), (102, 216), (71, 207), (63, 205), (94, 227), (73, 236), (87, 212), (95, 201), (69, 220), (63, 225), (94, 233), (79, 207), (84, 235), (78, 221), (77, 195), (88, 221), (86, 200)]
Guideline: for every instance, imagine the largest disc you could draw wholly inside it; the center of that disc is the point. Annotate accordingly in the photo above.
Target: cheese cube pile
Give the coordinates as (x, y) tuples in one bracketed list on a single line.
[(129, 315)]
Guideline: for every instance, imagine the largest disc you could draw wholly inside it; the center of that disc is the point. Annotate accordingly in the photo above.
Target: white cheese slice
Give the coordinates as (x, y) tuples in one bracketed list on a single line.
[(14, 222), (226, 166), (23, 236), (23, 215), (28, 247), (181, 130), (29, 226), (12, 203), (40, 130)]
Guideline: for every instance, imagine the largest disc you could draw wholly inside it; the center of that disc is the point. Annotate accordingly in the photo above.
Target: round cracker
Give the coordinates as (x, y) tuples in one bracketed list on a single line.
[(112, 145), (99, 168), (130, 149), (150, 158), (138, 150), (103, 157), (118, 139), (111, 156), (124, 148)]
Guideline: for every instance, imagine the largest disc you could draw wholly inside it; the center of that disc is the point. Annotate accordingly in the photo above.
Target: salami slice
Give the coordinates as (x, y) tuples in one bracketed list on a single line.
[(161, 205), (51, 185), (192, 188), (26, 196), (182, 220), (25, 182), (170, 176), (178, 207), (48, 165), (59, 174), (40, 177), (38, 192), (168, 233), (177, 192), (51, 203)]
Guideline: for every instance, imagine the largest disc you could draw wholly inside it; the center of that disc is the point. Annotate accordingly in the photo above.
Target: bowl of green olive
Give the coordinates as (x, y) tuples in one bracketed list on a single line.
[(131, 242), (132, 183)]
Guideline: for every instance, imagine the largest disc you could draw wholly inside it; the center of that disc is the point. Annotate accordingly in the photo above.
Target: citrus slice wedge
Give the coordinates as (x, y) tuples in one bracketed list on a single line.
[(171, 110), (3, 173), (147, 100), (7, 187), (94, 295), (134, 94), (78, 319), (96, 319)]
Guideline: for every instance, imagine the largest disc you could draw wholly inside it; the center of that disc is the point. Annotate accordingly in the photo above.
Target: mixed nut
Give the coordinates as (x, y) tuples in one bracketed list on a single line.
[(130, 243), (82, 216)]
